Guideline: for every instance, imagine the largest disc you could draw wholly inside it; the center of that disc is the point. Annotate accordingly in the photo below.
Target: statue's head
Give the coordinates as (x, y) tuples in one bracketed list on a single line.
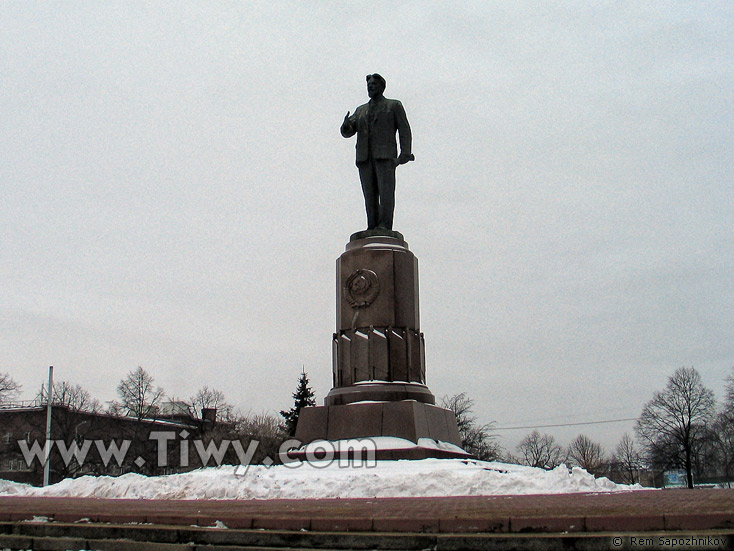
[(375, 85)]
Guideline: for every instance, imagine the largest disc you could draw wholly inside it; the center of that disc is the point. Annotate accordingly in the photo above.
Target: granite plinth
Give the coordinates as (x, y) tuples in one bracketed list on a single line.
[(382, 454), (408, 420), (377, 285), (378, 334), (379, 392), (377, 232)]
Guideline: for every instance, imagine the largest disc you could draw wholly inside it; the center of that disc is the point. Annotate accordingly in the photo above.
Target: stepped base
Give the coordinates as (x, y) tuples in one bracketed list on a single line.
[(379, 392), (399, 430), (377, 449)]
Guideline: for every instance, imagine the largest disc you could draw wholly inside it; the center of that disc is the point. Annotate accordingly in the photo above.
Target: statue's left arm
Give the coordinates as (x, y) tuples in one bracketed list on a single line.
[(406, 138)]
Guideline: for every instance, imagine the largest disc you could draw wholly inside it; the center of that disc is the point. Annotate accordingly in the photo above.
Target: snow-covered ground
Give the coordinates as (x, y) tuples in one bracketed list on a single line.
[(424, 478)]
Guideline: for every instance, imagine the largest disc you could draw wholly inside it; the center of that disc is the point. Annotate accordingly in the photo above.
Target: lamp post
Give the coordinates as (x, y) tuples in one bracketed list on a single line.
[(47, 447)]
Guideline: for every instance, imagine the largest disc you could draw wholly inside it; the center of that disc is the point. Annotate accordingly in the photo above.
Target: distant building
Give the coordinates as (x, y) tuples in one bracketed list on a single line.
[(624, 475), (99, 443)]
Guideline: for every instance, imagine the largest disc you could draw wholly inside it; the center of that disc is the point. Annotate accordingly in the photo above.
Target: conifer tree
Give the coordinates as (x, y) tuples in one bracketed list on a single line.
[(303, 396)]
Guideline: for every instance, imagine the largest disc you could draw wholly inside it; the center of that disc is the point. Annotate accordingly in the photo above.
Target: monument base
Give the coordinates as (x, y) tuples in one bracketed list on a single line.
[(379, 391), (355, 450), (377, 232), (399, 430), (379, 398)]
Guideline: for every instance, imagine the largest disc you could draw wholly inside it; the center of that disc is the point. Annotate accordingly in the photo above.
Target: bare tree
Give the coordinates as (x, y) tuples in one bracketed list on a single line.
[(674, 423), (476, 439), (723, 429), (462, 407), (729, 388), (266, 430), (75, 397), (209, 398), (9, 389), (628, 460), (540, 450), (587, 454), (262, 430), (138, 397), (723, 432)]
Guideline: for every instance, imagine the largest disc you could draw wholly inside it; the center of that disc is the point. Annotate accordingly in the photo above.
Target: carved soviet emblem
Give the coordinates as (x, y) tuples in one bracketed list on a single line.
[(361, 288)]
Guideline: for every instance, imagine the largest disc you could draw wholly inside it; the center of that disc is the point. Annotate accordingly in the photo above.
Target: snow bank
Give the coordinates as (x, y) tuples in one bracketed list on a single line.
[(424, 478)]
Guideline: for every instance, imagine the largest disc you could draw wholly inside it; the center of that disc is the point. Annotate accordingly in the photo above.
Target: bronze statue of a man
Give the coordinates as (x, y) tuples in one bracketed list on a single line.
[(375, 124)]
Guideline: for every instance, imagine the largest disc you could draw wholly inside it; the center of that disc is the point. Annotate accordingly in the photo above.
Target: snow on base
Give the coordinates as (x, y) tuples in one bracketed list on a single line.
[(418, 478), (381, 443)]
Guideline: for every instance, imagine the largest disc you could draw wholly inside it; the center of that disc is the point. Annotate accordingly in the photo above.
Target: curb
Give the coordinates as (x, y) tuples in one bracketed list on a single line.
[(54, 537)]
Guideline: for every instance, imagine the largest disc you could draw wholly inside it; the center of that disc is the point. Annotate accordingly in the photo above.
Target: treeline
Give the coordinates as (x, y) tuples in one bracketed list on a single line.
[(140, 398), (679, 429), (205, 420)]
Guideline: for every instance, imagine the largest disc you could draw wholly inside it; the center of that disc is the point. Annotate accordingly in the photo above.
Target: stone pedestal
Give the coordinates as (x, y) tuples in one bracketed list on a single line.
[(378, 356), (378, 336)]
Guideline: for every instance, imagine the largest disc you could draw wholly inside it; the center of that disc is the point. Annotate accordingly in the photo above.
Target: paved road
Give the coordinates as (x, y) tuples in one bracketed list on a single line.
[(633, 511)]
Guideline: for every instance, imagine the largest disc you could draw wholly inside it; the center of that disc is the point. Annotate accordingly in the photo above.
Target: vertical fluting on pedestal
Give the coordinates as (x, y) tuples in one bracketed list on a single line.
[(378, 334), (378, 354)]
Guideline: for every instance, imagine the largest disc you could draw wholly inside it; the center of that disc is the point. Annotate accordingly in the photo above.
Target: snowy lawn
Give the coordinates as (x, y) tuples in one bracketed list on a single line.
[(423, 478)]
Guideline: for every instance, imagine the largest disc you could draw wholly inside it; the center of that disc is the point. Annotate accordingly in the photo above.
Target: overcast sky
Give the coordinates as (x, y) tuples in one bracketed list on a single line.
[(175, 193)]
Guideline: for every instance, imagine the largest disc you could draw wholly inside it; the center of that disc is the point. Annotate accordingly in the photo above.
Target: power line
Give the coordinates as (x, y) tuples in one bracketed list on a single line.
[(567, 424)]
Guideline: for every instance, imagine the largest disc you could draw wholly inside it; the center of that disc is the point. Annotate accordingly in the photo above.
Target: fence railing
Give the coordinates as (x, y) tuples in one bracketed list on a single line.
[(21, 404)]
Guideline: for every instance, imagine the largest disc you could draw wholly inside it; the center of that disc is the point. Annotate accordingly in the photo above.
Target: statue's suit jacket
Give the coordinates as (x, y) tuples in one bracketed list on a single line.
[(388, 117)]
